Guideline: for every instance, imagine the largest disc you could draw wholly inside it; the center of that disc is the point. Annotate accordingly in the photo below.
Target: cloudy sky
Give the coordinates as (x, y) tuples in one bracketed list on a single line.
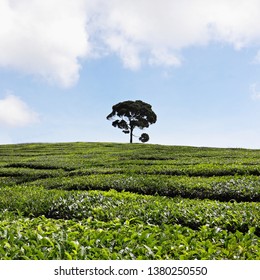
[(63, 64)]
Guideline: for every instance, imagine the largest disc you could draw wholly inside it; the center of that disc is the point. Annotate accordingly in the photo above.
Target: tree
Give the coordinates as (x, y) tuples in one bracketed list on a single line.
[(131, 114)]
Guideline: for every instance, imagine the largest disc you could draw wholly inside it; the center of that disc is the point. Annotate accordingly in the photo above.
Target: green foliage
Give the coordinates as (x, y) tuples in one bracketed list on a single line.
[(132, 114), (144, 137), (106, 206), (42, 238), (224, 188), (121, 201)]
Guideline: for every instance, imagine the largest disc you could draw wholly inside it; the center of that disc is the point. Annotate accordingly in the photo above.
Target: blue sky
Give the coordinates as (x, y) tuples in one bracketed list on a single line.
[(64, 64)]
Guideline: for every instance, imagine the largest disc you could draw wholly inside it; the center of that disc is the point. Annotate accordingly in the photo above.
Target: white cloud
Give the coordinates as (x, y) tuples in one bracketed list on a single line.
[(15, 112), (44, 38), (49, 38), (128, 52), (164, 57), (162, 28)]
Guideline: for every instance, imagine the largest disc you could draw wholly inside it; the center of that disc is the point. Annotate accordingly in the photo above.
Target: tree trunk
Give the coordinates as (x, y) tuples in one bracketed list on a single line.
[(131, 135)]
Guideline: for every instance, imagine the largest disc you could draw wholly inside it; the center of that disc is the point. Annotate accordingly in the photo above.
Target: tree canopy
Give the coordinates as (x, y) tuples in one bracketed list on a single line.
[(131, 114)]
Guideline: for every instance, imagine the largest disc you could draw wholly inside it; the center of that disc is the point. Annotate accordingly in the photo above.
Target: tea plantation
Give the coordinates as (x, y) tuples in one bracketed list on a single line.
[(128, 201)]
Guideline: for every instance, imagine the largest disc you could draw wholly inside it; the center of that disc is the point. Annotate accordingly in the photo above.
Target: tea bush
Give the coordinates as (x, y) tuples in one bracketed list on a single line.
[(121, 201), (42, 238)]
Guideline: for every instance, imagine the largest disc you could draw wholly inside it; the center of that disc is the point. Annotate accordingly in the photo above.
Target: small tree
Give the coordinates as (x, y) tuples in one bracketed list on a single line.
[(132, 114)]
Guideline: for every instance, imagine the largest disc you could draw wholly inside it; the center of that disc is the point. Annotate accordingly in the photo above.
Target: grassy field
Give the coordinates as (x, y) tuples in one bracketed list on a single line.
[(122, 201)]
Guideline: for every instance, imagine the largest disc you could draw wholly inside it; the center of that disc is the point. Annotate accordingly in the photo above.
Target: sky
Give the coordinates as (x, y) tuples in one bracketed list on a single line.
[(64, 64)]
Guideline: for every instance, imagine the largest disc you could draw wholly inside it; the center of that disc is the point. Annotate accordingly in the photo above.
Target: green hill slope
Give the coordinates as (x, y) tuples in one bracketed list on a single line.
[(123, 201)]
